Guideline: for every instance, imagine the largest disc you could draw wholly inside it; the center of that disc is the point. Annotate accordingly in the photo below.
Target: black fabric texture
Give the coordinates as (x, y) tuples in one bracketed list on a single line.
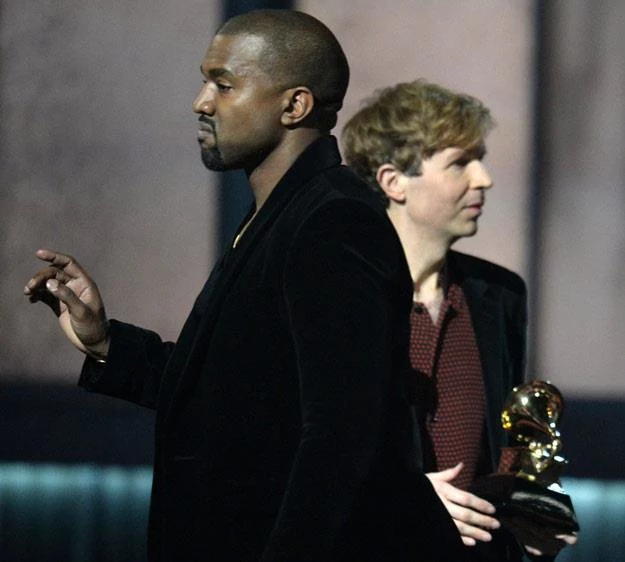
[(283, 431)]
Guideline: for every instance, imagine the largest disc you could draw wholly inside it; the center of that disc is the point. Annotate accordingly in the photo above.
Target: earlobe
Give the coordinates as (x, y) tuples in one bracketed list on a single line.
[(389, 179), (298, 104)]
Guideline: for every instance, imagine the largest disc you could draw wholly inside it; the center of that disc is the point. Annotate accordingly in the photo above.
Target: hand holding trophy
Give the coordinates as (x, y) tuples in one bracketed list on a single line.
[(526, 489)]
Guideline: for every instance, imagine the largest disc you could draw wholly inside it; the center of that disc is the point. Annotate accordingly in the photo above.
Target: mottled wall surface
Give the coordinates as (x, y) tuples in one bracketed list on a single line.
[(99, 158), (487, 48), (481, 47), (581, 322)]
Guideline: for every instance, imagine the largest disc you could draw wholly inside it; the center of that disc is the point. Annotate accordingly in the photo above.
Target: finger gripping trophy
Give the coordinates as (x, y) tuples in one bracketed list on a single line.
[(526, 489)]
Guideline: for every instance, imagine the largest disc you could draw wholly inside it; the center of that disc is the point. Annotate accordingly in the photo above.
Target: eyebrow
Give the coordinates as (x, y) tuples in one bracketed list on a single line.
[(476, 152), (214, 73), (479, 151)]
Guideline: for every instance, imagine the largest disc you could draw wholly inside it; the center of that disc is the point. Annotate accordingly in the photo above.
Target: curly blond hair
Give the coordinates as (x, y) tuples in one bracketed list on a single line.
[(407, 123)]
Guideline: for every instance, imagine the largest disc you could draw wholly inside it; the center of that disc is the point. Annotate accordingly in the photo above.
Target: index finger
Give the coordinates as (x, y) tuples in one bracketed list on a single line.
[(467, 499), (63, 261)]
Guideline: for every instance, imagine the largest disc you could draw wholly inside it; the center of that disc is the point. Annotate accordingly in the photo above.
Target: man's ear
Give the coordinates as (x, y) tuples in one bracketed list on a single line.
[(389, 179), (298, 103)]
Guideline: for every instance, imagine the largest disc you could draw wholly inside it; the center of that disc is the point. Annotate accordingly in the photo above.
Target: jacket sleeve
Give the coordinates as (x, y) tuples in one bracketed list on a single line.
[(133, 368), (337, 288)]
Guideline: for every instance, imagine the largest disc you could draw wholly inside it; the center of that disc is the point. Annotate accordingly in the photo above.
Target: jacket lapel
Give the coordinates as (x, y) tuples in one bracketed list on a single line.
[(486, 317), (188, 340), (321, 155)]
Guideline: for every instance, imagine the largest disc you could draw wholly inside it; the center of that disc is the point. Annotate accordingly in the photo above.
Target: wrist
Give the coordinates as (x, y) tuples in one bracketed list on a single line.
[(100, 350)]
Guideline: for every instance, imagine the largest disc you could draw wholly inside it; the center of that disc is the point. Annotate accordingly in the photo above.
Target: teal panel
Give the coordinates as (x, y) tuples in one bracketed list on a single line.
[(90, 513), (73, 513), (600, 508)]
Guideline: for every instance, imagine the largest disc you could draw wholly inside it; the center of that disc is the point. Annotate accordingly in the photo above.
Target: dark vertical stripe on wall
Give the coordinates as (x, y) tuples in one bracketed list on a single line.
[(538, 159), (3, 104), (234, 193)]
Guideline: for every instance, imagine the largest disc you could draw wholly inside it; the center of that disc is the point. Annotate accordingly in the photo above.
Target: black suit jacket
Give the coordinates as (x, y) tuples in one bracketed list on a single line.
[(282, 431), (497, 300)]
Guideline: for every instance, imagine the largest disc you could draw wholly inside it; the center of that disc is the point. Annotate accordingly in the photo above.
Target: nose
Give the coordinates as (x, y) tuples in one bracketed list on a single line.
[(480, 178), (204, 101)]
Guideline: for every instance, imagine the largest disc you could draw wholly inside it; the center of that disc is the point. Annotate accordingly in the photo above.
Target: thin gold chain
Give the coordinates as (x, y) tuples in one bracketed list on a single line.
[(237, 238)]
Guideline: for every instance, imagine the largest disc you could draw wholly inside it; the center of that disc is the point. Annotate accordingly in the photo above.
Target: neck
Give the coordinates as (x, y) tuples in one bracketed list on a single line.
[(265, 176), (425, 253)]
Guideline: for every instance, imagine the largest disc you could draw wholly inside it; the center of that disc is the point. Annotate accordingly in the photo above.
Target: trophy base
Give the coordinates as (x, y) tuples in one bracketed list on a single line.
[(530, 511)]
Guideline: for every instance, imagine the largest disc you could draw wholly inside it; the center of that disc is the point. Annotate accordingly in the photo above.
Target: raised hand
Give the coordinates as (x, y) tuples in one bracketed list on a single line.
[(74, 297), (471, 514)]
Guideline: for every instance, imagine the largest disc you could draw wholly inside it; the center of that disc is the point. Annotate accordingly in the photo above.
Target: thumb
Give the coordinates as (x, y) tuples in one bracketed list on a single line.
[(75, 307), (451, 473)]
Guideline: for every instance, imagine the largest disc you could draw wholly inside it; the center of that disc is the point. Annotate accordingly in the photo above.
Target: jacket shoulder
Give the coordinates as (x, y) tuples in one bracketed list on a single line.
[(468, 266), (341, 183), (336, 199), (336, 208)]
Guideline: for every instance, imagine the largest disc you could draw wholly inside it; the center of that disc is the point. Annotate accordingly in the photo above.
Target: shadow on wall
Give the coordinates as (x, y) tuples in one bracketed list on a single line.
[(61, 424)]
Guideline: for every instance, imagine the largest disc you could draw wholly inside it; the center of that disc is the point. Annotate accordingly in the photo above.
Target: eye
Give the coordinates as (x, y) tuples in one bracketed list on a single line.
[(461, 162), (222, 87)]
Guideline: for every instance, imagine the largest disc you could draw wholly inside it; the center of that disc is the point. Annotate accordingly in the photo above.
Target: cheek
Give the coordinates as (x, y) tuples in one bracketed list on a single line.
[(453, 190), (426, 209), (262, 126), (438, 197)]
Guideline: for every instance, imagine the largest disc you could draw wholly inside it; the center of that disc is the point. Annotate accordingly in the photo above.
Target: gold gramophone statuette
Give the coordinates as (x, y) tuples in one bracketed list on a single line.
[(531, 415), (526, 488)]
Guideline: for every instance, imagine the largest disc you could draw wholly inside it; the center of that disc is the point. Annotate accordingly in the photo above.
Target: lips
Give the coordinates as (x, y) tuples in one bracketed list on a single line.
[(206, 131), (475, 207), (475, 204)]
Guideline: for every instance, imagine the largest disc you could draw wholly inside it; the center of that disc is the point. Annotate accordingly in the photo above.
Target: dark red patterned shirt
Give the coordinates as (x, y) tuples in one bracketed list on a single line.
[(449, 385)]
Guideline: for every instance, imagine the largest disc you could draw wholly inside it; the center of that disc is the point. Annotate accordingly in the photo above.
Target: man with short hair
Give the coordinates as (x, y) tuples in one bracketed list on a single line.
[(421, 147), (282, 428)]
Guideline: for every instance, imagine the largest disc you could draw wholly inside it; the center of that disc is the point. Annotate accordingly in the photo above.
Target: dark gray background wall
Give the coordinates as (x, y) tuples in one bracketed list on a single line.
[(98, 157)]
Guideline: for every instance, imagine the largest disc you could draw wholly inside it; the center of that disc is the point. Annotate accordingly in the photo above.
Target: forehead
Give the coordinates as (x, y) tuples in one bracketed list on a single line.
[(239, 55)]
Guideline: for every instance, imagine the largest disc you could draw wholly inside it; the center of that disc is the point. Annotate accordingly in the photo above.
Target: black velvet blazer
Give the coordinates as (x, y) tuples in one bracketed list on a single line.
[(282, 431)]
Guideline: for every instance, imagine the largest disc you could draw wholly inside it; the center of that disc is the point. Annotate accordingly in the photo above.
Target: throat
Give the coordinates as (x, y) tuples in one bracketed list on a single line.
[(430, 295), (432, 304)]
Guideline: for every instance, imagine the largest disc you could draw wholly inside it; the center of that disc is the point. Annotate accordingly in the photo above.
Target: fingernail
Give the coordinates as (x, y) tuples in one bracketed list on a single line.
[(52, 284)]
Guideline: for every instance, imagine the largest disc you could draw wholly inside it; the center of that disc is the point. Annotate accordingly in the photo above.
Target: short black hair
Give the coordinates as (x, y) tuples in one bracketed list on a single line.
[(299, 51)]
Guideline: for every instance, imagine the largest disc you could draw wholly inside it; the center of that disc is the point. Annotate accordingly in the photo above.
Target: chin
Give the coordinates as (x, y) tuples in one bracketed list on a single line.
[(213, 161), (466, 232)]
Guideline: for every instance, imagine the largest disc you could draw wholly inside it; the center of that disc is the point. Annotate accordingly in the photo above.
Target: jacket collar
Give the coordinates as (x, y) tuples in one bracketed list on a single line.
[(486, 317), (320, 155)]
